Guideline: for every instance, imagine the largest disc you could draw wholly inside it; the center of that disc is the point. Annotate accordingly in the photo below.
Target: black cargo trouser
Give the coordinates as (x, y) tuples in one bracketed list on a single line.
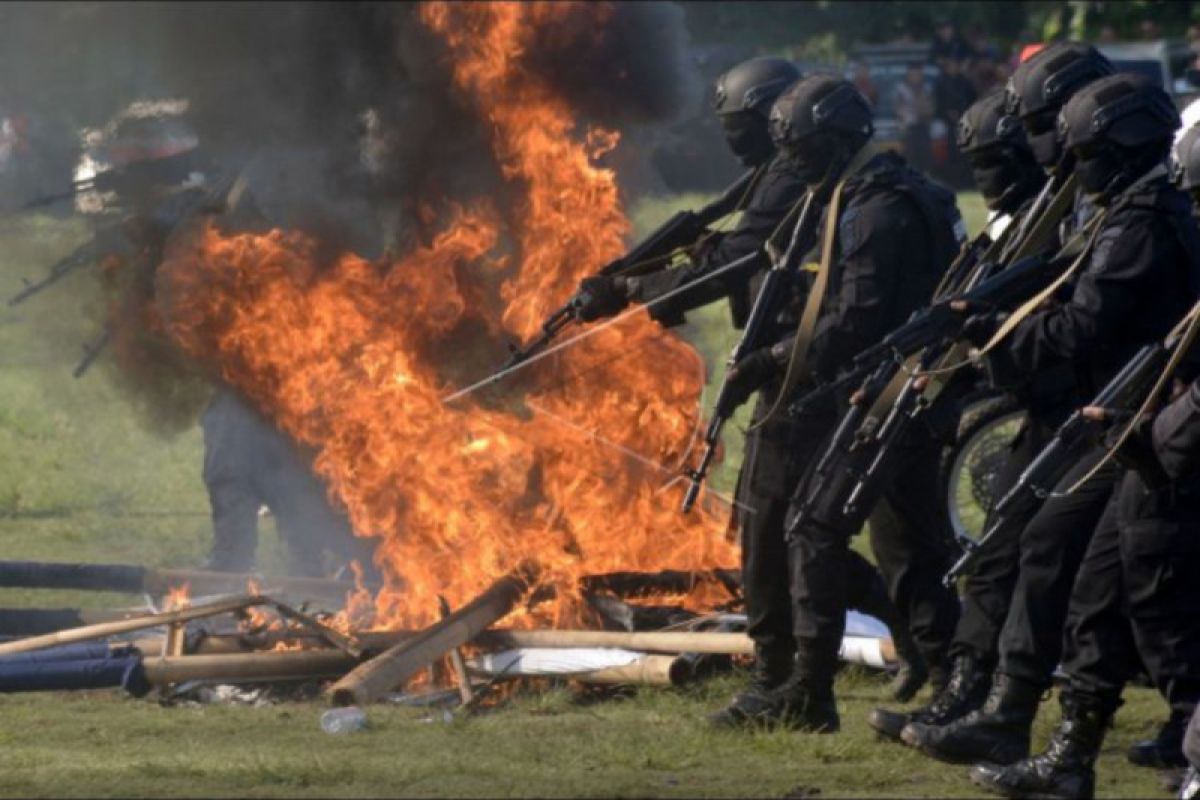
[(774, 458), (1137, 595), (821, 561), (987, 589), (1052, 547)]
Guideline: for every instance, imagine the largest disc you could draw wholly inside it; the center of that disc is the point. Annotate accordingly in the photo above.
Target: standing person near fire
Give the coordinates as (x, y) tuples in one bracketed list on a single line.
[(248, 464), (1037, 91), (1140, 272), (775, 452), (886, 236)]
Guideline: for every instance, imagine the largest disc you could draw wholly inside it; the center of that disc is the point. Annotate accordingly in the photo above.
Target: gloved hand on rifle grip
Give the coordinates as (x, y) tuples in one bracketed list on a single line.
[(981, 327), (748, 375), (601, 296)]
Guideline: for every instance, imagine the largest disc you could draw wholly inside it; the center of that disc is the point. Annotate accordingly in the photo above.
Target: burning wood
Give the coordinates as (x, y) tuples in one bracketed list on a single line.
[(677, 582), (136, 580), (396, 664)]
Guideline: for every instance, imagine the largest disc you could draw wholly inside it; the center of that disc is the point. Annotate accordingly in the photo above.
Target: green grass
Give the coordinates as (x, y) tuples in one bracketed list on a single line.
[(81, 479), (549, 744)]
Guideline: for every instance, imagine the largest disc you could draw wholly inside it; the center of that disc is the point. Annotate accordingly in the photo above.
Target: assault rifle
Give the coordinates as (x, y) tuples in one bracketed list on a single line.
[(939, 322), (109, 240), (163, 171), (771, 294), (1124, 392), (931, 333), (681, 230)]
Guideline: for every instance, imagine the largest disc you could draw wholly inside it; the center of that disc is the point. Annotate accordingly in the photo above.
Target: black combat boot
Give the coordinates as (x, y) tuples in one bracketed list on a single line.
[(804, 702), (998, 732), (1164, 751), (912, 671), (963, 692), (1068, 767), (771, 668)]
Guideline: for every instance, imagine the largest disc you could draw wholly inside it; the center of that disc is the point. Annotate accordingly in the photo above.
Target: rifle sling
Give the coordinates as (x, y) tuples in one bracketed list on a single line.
[(1045, 228), (1185, 332), (797, 367), (887, 398)]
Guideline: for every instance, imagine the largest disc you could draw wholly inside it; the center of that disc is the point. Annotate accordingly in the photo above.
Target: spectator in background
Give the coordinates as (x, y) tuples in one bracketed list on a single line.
[(949, 43), (953, 93), (864, 83), (1106, 35), (1149, 29), (913, 104)]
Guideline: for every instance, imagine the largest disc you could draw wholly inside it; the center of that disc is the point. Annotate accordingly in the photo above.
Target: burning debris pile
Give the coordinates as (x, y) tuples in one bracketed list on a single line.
[(258, 639), (549, 500)]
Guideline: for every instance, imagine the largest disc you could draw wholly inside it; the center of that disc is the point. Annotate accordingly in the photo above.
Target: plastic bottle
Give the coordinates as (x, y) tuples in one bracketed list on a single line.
[(343, 720)]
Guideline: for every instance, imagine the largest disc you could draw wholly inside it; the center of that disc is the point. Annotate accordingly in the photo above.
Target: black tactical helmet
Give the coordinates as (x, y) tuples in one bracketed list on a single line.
[(1185, 161), (1001, 161), (1118, 128), (1043, 84), (820, 123), (987, 124), (742, 100), (753, 85)]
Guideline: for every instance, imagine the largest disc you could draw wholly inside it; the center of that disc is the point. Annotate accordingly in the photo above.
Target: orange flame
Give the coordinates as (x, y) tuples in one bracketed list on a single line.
[(177, 597), (349, 359)]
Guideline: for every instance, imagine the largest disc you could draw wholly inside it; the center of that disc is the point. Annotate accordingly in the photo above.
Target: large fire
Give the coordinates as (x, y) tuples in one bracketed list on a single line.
[(350, 359)]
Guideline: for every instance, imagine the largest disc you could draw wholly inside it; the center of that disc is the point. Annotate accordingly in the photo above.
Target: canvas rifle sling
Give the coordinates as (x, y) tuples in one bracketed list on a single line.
[(797, 367), (887, 398)]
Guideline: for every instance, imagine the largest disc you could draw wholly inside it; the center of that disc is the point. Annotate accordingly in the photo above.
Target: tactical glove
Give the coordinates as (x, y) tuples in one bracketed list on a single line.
[(749, 375), (980, 328)]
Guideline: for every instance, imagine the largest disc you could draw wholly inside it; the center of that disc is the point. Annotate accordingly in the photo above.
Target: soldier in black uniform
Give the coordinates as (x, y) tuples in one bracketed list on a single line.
[(1139, 569), (893, 233), (775, 452), (994, 144), (1008, 177), (1139, 277), (1035, 94)]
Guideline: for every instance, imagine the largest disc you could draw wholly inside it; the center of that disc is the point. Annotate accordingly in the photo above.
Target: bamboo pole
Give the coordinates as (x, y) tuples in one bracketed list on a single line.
[(248, 667), (103, 629), (34, 621), (649, 670), (388, 670)]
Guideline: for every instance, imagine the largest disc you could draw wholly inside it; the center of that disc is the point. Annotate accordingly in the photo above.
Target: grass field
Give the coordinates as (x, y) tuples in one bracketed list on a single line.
[(82, 479)]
